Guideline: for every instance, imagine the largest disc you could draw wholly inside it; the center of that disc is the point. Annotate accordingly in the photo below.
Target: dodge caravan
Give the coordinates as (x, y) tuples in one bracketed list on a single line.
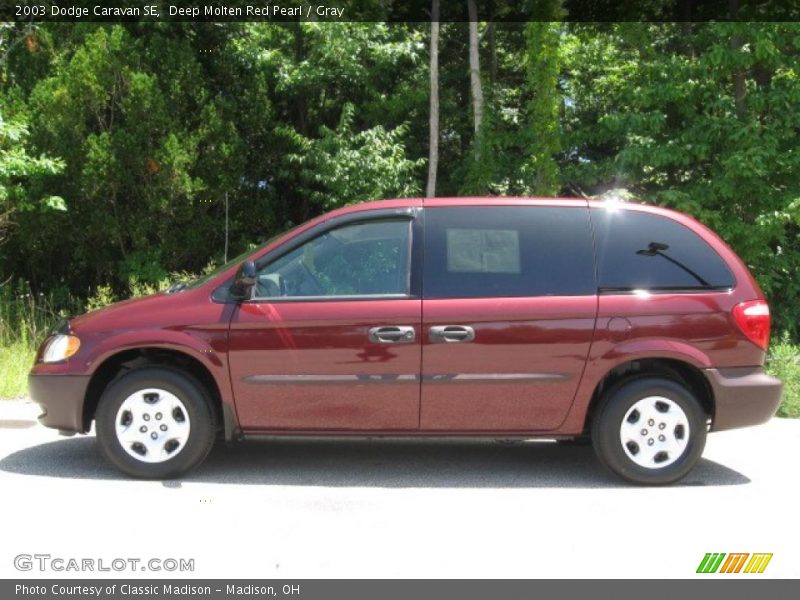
[(632, 326)]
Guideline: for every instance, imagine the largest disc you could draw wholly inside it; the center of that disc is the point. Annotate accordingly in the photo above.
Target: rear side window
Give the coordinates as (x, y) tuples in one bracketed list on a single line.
[(473, 252), (637, 250)]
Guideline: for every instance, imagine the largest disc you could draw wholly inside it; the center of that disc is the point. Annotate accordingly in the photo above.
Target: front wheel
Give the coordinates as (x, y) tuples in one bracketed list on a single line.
[(649, 430), (155, 423)]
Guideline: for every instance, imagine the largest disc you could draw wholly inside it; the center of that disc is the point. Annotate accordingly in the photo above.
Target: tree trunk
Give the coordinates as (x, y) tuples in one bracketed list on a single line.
[(475, 73), (492, 41), (541, 170), (739, 87), (433, 124)]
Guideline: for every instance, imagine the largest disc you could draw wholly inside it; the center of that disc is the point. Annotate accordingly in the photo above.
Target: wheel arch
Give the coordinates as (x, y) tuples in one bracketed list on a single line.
[(129, 359), (671, 368)]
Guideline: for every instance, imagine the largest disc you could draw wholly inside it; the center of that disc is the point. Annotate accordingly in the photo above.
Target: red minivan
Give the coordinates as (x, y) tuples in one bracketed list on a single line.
[(633, 326)]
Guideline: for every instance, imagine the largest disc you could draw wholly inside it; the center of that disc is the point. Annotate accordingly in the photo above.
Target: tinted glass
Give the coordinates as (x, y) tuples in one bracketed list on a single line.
[(507, 251), (363, 259), (637, 250)]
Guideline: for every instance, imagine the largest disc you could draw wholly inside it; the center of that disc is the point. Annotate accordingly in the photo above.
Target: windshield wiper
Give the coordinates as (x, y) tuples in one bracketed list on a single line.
[(657, 249)]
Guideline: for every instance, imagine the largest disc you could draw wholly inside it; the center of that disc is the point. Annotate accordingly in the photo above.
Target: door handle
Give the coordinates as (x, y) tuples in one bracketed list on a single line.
[(442, 334), (392, 334)]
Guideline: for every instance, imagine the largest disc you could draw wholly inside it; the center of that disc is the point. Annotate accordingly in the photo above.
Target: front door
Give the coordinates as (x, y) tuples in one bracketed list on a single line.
[(509, 305), (332, 340)]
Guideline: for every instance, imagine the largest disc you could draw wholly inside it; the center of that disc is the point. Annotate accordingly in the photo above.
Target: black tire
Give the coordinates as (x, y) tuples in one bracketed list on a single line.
[(607, 439), (198, 412)]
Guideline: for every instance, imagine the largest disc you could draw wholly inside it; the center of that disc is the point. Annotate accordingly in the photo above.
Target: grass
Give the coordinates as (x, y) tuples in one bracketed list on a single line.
[(784, 363), (15, 361), (26, 319)]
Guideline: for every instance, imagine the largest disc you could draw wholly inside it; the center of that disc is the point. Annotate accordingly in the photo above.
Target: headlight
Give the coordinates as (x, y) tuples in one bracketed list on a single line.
[(60, 347)]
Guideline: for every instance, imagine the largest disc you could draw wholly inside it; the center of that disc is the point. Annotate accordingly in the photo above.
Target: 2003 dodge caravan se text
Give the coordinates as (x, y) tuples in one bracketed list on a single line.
[(631, 325)]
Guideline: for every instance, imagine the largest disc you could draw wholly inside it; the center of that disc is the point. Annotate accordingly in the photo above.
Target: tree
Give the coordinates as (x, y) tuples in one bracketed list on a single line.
[(156, 123), (18, 170), (433, 124), (540, 171), (475, 76), (659, 110), (350, 166), (145, 149), (316, 75)]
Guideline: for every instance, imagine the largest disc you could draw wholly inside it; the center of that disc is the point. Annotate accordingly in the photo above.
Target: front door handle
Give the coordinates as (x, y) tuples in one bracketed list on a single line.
[(442, 334), (392, 334)]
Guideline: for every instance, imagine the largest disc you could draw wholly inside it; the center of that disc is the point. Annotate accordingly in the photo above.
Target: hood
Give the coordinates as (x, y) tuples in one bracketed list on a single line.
[(134, 312)]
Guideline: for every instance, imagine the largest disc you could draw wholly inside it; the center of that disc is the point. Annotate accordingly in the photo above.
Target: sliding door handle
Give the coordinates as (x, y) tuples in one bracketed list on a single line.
[(442, 334)]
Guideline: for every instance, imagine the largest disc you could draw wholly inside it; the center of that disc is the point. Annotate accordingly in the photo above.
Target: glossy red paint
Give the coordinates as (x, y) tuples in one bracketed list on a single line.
[(309, 367), (188, 323), (522, 371), (691, 328)]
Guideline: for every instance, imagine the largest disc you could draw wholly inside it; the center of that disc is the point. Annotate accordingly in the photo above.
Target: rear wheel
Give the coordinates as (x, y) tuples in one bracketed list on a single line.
[(155, 423), (649, 430)]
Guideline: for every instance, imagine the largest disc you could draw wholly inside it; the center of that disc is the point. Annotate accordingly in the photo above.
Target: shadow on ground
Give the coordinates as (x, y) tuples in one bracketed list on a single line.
[(367, 463)]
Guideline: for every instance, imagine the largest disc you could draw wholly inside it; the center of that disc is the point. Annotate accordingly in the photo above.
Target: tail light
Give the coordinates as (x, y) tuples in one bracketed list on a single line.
[(753, 319)]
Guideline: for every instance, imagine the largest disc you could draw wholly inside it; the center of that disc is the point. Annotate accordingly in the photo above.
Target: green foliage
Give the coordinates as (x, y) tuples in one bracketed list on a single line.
[(702, 118), (540, 170), (27, 317), (16, 361), (103, 296), (784, 363), (17, 169), (140, 131), (343, 166), (131, 117), (340, 126)]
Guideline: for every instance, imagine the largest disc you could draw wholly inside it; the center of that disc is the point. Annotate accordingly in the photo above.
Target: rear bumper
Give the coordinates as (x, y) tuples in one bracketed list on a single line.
[(743, 396), (61, 399)]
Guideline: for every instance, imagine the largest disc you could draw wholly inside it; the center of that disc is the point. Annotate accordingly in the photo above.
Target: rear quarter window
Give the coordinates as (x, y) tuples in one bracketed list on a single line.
[(637, 250)]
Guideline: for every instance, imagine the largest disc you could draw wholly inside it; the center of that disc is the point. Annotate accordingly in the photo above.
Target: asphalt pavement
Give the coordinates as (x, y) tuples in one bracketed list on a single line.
[(393, 508)]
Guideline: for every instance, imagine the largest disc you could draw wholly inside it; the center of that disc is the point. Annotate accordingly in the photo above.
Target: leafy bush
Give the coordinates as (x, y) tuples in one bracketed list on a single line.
[(103, 296), (784, 363)]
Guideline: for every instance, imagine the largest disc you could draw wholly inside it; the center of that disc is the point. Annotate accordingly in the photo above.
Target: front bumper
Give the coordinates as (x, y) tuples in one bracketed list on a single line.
[(743, 396), (61, 399)]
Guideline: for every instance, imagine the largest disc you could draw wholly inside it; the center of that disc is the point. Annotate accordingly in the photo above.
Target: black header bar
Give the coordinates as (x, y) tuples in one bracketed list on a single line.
[(510, 11)]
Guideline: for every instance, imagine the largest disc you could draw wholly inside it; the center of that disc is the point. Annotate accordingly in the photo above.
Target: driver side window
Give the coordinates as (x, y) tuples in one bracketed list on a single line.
[(362, 259)]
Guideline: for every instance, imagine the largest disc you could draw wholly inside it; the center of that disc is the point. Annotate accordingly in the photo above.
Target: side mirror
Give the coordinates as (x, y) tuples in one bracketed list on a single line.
[(245, 281)]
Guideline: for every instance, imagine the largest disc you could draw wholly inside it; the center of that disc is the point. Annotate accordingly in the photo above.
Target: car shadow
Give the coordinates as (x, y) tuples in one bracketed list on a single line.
[(367, 463)]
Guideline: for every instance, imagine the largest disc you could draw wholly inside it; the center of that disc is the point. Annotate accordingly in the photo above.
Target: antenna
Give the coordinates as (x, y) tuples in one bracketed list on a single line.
[(225, 259)]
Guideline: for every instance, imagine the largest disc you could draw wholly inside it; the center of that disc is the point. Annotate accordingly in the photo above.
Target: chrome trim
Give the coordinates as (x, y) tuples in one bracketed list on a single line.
[(392, 334), (491, 377), (317, 378), (451, 334), (322, 378)]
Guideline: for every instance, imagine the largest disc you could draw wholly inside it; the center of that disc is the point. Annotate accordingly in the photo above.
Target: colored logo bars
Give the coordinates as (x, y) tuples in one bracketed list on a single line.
[(713, 562)]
